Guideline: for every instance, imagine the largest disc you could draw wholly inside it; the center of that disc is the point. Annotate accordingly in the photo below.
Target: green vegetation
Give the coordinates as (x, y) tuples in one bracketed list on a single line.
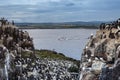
[(54, 55), (66, 25), (50, 55), (25, 54), (73, 69)]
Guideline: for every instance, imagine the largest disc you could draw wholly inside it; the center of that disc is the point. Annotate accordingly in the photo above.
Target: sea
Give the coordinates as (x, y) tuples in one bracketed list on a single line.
[(70, 42)]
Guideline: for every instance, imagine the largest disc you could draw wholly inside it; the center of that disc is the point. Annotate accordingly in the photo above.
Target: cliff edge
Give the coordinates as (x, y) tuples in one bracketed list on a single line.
[(101, 56)]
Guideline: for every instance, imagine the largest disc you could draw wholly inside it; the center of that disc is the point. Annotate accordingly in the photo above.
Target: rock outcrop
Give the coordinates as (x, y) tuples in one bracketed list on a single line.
[(20, 61), (13, 42), (101, 57)]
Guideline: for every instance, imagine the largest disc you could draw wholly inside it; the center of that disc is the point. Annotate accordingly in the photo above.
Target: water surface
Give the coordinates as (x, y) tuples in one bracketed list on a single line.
[(68, 41)]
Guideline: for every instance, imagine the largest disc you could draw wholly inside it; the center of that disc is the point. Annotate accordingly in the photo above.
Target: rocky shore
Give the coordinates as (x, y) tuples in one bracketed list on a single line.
[(101, 56), (20, 61)]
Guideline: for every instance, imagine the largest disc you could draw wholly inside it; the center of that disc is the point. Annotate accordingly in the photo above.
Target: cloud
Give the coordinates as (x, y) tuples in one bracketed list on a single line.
[(102, 4), (59, 10)]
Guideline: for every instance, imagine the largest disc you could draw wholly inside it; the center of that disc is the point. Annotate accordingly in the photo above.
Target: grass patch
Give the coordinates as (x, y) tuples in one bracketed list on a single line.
[(50, 55), (54, 55)]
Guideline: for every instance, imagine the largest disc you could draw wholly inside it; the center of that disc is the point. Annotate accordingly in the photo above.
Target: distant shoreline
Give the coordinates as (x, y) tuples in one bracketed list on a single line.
[(53, 28), (67, 25)]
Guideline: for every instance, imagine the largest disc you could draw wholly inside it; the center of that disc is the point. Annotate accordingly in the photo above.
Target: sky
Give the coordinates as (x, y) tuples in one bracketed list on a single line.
[(59, 10)]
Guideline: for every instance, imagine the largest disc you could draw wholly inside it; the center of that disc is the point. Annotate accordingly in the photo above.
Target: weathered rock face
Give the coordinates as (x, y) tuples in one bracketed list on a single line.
[(19, 60), (12, 43), (101, 54)]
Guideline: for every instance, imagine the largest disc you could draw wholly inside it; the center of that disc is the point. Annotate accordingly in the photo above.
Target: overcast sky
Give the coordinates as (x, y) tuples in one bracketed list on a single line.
[(60, 10)]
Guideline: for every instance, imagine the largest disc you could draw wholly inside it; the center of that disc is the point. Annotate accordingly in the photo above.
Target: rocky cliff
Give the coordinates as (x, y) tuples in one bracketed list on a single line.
[(101, 56), (13, 43), (20, 61)]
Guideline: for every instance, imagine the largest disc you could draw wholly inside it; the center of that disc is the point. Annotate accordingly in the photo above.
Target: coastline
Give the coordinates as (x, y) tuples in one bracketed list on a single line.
[(54, 28)]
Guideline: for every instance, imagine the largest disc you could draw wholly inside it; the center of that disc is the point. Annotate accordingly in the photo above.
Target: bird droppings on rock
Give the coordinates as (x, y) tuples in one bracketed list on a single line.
[(101, 57), (19, 60)]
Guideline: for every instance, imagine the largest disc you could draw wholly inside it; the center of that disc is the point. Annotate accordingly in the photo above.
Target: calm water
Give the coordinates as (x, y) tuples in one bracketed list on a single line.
[(68, 41)]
